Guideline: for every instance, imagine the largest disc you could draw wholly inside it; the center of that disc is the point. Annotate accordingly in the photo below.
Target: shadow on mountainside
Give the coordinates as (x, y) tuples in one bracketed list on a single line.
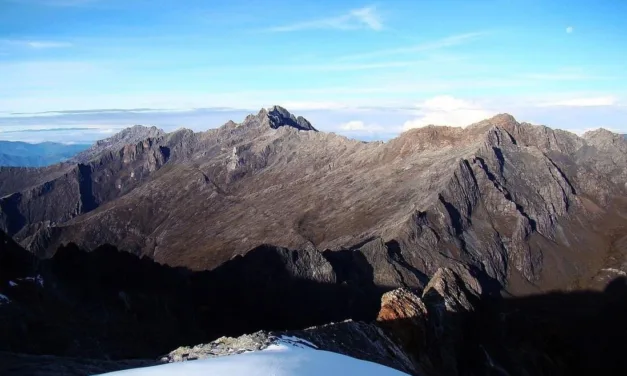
[(559, 333), (112, 305)]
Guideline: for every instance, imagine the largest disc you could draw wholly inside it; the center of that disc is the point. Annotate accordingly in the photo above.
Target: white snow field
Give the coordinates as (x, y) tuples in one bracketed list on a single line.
[(283, 359)]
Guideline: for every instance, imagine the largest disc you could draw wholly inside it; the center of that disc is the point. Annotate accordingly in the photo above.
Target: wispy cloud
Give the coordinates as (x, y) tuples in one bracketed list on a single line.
[(362, 18), (565, 76), (44, 44), (449, 41), (570, 29), (36, 44), (343, 66), (582, 102)]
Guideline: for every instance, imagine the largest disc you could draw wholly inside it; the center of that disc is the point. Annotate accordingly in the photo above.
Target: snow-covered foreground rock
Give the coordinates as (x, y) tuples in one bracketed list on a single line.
[(284, 359)]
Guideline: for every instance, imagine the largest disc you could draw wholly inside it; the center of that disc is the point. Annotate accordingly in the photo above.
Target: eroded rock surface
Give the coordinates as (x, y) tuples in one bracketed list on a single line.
[(524, 207)]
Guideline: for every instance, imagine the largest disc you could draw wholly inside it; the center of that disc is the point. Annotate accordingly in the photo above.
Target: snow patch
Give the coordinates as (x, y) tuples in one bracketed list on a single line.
[(279, 359), (616, 271), (4, 299)]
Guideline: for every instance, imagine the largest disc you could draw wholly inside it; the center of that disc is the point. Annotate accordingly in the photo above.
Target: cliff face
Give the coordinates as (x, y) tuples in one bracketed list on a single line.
[(524, 207), (56, 195)]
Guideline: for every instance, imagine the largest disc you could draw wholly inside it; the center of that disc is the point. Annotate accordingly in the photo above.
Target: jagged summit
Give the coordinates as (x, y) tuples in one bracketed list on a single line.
[(280, 117)]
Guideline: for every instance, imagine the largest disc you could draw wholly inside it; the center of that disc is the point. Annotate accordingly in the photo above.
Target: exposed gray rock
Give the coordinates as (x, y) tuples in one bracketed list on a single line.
[(355, 339), (280, 117), (501, 198), (130, 135)]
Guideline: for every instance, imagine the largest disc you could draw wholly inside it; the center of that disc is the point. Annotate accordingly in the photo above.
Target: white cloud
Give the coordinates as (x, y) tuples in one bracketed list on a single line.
[(362, 18), (582, 102), (448, 110), (570, 29), (353, 125), (361, 127), (449, 41)]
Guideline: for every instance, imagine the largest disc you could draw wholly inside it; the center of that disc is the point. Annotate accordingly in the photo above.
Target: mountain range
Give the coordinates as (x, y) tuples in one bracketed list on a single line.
[(23, 154), (270, 224), (521, 204)]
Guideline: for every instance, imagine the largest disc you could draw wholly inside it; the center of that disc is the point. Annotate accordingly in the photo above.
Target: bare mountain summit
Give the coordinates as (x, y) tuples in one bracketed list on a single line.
[(518, 206), (131, 135)]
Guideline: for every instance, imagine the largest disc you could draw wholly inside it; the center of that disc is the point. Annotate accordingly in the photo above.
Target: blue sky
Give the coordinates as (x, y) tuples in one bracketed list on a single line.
[(365, 69)]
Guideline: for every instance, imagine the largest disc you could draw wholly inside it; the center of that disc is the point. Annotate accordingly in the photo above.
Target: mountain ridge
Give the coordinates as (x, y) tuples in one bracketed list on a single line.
[(498, 196)]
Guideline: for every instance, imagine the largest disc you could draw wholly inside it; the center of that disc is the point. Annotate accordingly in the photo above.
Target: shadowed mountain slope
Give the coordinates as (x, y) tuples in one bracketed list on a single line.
[(80, 313), (526, 207)]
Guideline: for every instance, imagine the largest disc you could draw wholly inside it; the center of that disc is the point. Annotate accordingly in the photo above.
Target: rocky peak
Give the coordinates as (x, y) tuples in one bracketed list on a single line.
[(504, 120), (130, 135), (280, 117), (603, 136), (608, 141), (456, 291), (429, 328), (600, 133)]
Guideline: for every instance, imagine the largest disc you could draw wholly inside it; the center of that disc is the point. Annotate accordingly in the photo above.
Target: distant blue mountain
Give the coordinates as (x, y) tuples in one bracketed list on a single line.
[(23, 154)]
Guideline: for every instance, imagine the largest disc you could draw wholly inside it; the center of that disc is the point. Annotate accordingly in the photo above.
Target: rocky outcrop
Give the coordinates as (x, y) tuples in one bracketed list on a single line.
[(417, 335), (280, 117), (430, 329), (359, 340), (82, 313), (128, 136)]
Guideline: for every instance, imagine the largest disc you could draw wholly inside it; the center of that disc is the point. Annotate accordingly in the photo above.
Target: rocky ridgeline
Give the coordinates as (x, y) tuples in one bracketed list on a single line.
[(128, 136), (502, 198)]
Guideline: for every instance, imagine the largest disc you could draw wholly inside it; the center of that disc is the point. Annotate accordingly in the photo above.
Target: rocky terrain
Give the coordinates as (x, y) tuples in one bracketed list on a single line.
[(430, 243), (523, 205), (83, 313), (128, 136)]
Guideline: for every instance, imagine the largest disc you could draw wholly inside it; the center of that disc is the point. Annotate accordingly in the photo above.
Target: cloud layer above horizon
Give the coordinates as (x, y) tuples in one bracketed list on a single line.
[(365, 70)]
